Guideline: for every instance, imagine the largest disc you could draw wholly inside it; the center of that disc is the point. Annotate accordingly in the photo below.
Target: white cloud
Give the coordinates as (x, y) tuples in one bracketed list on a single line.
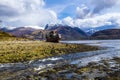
[(101, 20), (35, 27), (68, 21), (35, 13), (96, 21), (26, 12), (82, 12), (100, 5), (23, 5)]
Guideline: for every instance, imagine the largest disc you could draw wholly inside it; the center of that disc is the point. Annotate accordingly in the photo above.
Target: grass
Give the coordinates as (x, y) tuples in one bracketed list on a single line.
[(20, 51), (14, 49)]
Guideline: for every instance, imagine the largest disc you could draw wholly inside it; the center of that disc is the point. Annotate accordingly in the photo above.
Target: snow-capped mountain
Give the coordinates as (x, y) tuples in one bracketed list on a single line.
[(68, 32), (51, 26), (90, 31)]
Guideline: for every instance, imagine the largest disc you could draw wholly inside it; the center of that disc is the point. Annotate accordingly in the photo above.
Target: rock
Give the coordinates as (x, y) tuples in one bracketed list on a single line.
[(53, 36)]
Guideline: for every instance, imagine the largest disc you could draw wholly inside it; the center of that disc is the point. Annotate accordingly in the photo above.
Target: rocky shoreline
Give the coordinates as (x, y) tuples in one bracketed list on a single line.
[(102, 70)]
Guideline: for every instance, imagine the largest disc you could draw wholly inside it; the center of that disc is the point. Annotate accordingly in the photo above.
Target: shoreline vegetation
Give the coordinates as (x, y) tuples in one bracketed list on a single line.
[(21, 51)]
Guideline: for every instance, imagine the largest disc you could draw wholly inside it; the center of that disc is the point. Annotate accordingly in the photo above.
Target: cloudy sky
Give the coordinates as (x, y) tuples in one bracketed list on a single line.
[(76, 13)]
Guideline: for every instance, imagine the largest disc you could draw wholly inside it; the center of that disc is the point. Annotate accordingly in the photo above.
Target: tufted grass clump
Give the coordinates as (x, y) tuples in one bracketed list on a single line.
[(20, 51)]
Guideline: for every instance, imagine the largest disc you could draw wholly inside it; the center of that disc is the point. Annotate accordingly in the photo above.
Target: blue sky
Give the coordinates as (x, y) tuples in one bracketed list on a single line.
[(75, 13), (67, 7)]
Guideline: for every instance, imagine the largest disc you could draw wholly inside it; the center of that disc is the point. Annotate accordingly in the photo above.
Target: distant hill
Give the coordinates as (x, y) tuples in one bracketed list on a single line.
[(107, 34), (68, 32), (26, 32), (90, 31), (19, 32), (37, 35), (4, 34)]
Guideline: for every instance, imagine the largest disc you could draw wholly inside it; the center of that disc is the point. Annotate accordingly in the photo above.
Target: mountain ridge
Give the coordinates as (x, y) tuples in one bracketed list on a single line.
[(107, 34), (66, 31)]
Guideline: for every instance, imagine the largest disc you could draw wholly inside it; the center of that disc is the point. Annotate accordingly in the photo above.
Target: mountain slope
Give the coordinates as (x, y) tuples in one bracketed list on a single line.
[(37, 35), (26, 32), (107, 34), (90, 31), (4, 34), (68, 32), (19, 32)]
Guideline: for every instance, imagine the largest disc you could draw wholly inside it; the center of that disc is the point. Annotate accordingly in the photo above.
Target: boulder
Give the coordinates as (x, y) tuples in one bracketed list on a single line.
[(53, 36)]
